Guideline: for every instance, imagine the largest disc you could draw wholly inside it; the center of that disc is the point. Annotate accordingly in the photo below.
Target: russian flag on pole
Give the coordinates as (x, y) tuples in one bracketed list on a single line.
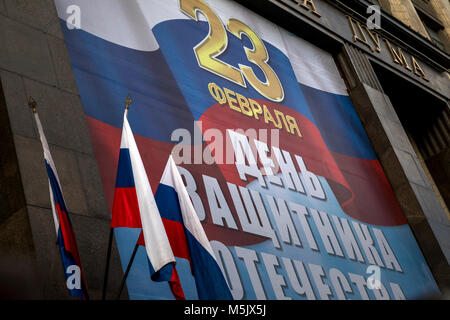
[(135, 207), (187, 237), (75, 280)]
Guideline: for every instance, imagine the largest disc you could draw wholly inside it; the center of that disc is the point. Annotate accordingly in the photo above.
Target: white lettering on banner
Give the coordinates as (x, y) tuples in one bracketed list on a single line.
[(267, 163), (220, 211), (248, 219), (262, 213), (244, 155), (301, 214), (300, 284), (397, 291), (283, 220), (318, 275), (381, 293), (228, 267), (294, 275), (251, 221), (287, 223), (361, 285), (250, 259), (191, 188), (290, 175), (312, 183), (367, 243), (326, 232), (348, 239), (388, 255), (277, 280), (340, 283)]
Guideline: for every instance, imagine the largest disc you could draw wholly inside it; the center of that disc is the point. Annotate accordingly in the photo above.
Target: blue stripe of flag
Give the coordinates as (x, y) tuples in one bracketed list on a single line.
[(125, 177), (167, 200), (209, 279), (67, 261)]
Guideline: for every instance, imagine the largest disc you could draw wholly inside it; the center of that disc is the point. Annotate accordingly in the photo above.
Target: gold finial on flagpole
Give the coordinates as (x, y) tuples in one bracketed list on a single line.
[(32, 103), (128, 101)]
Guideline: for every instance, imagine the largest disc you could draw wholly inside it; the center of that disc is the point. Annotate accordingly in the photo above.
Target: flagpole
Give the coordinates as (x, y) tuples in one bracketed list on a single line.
[(125, 276), (108, 259), (66, 253), (32, 104), (128, 102)]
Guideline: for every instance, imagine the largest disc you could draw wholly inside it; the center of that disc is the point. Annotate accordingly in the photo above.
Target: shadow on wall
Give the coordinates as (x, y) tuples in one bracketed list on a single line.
[(18, 280)]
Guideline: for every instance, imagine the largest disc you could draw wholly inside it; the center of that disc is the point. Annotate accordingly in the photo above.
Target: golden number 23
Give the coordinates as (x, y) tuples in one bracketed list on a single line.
[(216, 43)]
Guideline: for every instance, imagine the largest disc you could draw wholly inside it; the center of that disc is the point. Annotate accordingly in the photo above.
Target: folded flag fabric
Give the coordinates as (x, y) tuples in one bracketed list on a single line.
[(135, 207), (187, 237), (66, 237)]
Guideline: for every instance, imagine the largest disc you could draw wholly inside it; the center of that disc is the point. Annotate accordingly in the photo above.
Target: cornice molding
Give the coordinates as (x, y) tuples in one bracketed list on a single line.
[(394, 28)]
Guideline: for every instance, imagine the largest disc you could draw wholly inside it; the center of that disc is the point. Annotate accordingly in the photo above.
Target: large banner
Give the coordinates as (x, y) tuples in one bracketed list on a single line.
[(275, 159)]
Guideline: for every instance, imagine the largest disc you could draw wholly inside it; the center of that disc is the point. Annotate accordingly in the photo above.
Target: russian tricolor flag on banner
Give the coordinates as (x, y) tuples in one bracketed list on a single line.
[(135, 207), (64, 231), (187, 237)]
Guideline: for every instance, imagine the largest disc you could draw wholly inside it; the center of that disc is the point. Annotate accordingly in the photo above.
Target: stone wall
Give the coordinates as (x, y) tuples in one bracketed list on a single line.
[(404, 11), (34, 62), (442, 11), (412, 188)]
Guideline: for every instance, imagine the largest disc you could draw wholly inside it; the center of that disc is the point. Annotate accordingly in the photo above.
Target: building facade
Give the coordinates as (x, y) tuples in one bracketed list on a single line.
[(392, 57)]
